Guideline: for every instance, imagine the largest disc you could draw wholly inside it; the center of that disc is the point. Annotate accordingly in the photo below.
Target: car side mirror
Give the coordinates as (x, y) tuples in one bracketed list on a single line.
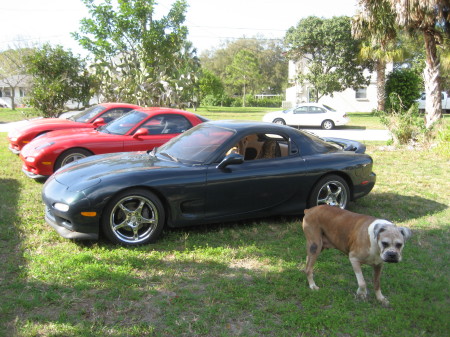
[(231, 159), (140, 132), (99, 122)]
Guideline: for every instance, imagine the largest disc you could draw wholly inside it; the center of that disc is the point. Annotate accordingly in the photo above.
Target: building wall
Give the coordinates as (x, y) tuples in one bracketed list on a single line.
[(347, 100), (5, 95)]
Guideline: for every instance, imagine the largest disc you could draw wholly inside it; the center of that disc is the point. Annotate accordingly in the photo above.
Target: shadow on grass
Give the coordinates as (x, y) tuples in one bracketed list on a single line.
[(11, 261), (396, 207)]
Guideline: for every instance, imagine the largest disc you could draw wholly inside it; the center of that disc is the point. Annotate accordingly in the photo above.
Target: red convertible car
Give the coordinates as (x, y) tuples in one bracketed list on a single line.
[(139, 130), (92, 117)]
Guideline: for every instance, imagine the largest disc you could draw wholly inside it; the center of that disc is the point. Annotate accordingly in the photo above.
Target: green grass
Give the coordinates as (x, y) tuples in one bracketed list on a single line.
[(235, 279)]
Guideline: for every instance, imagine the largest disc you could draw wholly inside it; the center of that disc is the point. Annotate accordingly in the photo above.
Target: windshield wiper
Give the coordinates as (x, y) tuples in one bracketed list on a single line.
[(165, 154)]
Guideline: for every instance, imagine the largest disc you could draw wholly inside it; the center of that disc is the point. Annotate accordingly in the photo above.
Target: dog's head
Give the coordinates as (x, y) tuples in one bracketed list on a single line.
[(391, 240)]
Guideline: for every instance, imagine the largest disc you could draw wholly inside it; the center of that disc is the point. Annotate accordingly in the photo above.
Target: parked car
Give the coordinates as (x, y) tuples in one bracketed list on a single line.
[(3, 104), (308, 114), (139, 130), (92, 117), (217, 171), (445, 102)]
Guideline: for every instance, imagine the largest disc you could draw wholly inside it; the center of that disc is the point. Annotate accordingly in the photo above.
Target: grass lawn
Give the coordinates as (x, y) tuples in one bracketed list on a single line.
[(235, 279)]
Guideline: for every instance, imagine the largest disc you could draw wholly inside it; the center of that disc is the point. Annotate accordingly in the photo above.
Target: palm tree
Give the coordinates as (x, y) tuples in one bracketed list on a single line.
[(375, 25), (431, 18)]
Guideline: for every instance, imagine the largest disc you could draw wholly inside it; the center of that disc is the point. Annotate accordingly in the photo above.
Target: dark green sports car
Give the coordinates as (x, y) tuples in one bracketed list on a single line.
[(214, 172)]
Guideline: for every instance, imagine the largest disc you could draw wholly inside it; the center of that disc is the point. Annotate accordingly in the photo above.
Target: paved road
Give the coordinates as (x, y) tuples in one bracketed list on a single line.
[(354, 134)]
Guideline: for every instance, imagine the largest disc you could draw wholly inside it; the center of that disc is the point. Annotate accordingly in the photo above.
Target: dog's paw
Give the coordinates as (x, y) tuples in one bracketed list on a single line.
[(314, 287), (384, 301), (361, 294)]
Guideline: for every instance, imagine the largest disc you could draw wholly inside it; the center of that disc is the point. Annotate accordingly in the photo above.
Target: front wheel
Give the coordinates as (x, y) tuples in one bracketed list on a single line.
[(330, 190), (134, 217), (71, 156)]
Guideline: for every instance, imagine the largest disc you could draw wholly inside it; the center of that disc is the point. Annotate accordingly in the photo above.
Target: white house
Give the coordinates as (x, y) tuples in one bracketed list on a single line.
[(20, 90), (349, 100)]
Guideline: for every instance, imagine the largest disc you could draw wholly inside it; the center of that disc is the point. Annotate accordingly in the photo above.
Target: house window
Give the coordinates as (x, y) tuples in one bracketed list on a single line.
[(22, 92), (361, 93), (7, 92)]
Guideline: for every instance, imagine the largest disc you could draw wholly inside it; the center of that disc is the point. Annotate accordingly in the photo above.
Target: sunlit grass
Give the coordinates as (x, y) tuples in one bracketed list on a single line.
[(234, 279)]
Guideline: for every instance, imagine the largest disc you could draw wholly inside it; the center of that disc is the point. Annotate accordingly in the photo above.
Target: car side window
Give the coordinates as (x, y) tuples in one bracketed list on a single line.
[(167, 124), (301, 110), (112, 114), (316, 110), (261, 146)]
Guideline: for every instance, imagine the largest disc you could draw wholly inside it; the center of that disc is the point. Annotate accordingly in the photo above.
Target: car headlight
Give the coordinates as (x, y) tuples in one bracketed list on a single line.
[(30, 159), (61, 207), (43, 146), (13, 139)]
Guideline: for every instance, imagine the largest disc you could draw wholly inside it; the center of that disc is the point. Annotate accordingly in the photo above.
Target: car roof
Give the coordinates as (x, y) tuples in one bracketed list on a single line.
[(241, 125), (113, 104)]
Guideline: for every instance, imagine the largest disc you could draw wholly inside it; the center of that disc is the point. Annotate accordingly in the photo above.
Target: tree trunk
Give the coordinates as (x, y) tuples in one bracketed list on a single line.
[(381, 85), (433, 109)]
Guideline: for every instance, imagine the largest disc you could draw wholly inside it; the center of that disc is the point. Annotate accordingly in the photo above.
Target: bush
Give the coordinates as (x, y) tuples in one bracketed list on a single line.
[(404, 125), (406, 84)]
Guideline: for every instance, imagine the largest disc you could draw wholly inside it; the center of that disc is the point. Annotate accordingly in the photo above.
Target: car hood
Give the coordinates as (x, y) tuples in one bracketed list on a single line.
[(68, 134), (91, 170), (45, 124)]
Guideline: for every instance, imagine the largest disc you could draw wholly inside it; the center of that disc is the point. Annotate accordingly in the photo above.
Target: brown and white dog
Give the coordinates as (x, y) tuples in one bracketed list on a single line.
[(366, 240)]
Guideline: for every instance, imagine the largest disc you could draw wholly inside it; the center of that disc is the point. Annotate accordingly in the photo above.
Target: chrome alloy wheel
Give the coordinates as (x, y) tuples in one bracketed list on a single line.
[(72, 157), (133, 219), (333, 193)]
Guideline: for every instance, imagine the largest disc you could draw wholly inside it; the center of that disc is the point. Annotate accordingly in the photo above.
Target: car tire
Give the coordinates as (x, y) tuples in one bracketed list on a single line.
[(134, 217), (280, 121), (331, 190), (70, 156), (327, 124)]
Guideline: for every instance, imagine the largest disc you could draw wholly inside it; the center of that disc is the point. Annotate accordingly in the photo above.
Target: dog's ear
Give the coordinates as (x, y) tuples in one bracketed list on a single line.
[(406, 232), (378, 228)]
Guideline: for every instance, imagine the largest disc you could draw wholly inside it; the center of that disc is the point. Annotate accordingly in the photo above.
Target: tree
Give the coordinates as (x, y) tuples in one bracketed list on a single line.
[(243, 71), (273, 65), (139, 58), (57, 76), (210, 85), (431, 19), (331, 54), (375, 25), (13, 69)]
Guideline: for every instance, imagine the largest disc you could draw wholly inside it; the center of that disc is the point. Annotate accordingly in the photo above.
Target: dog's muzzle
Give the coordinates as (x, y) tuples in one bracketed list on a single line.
[(391, 257)]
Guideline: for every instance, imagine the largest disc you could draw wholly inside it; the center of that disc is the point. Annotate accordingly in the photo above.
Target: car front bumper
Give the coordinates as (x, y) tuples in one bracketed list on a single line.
[(65, 232)]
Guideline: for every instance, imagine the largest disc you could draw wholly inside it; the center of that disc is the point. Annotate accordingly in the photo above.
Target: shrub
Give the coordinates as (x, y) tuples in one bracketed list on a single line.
[(406, 84), (404, 125)]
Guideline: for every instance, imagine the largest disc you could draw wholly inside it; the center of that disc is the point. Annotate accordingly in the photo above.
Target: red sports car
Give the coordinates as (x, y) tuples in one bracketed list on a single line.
[(139, 130), (90, 118)]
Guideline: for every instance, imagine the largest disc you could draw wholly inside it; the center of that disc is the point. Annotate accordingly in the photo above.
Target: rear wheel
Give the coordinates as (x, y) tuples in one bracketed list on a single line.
[(70, 156), (133, 217), (330, 190), (279, 121), (327, 124)]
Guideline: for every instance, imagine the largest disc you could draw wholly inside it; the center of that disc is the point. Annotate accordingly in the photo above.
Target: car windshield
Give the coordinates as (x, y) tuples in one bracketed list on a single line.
[(86, 115), (196, 145), (122, 125), (329, 108)]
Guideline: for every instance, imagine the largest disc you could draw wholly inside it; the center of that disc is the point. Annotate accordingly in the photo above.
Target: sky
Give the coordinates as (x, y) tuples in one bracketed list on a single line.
[(210, 22)]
